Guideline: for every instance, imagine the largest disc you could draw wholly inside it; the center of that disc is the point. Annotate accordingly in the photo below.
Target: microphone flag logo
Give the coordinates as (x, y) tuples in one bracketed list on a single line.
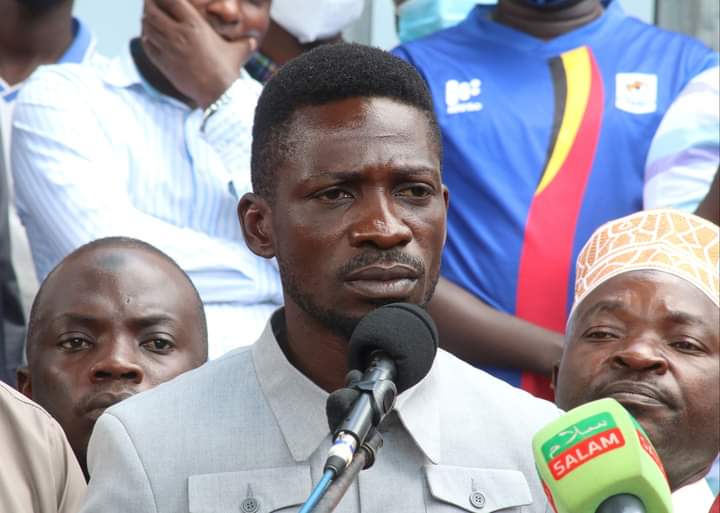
[(581, 442)]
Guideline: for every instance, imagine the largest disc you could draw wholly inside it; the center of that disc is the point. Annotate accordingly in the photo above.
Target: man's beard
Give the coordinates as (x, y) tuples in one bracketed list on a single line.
[(334, 319)]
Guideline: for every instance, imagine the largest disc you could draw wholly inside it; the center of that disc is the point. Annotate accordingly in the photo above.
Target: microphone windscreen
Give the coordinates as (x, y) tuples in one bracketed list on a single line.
[(597, 451), (405, 332)]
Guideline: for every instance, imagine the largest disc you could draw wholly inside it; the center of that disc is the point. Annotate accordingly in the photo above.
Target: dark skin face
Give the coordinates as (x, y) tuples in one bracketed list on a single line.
[(111, 322), (546, 22), (651, 341), (32, 33), (357, 221)]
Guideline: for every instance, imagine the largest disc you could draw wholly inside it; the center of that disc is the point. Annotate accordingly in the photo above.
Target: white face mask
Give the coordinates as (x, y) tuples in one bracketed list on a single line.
[(311, 20)]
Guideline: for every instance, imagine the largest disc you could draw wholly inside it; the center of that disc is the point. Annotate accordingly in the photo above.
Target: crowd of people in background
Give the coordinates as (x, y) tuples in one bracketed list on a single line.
[(218, 206)]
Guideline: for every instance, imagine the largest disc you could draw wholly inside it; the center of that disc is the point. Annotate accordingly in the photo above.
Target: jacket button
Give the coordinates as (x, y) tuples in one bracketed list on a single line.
[(477, 500), (250, 505)]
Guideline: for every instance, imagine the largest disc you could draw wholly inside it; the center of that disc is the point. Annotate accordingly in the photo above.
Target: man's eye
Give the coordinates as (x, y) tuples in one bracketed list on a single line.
[(159, 345), (74, 344), (600, 334), (687, 346), (333, 195), (415, 191)]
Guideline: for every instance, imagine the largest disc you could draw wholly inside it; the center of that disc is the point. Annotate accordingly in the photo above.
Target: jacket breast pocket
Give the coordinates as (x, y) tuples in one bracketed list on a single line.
[(271, 490), (476, 490)]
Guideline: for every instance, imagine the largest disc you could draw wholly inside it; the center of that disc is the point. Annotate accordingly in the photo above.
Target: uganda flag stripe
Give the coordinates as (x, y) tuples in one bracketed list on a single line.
[(546, 259)]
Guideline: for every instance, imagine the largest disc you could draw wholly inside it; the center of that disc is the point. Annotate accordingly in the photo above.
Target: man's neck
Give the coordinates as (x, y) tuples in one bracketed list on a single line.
[(314, 350), (546, 23), (153, 75), (279, 45), (29, 38)]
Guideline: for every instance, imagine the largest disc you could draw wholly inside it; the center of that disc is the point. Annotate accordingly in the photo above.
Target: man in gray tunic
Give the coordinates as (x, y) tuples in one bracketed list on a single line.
[(348, 197)]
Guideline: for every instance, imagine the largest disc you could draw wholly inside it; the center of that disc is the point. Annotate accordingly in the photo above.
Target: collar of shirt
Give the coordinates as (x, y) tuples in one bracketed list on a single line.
[(82, 46), (122, 72), (694, 497), (80, 49), (299, 404), (261, 67)]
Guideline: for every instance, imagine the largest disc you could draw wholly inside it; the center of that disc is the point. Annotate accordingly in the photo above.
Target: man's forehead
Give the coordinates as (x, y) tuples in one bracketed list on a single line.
[(330, 130), (349, 153), (677, 298), (108, 260), (85, 275)]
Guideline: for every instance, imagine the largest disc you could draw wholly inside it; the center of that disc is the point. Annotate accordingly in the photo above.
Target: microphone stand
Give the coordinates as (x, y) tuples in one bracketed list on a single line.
[(364, 458)]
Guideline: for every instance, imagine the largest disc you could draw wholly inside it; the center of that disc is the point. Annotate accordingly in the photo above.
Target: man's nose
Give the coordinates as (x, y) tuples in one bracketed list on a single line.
[(641, 354), (379, 224), (117, 360), (227, 11)]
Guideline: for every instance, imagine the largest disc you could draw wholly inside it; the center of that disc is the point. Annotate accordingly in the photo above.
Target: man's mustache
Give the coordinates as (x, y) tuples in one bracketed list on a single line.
[(104, 398), (389, 257)]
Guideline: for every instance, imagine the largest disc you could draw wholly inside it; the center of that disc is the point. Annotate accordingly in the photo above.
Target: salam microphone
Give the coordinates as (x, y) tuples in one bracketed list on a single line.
[(596, 458)]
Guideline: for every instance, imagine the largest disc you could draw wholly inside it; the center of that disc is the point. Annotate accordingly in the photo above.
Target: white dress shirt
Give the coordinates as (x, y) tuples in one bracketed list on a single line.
[(693, 498), (98, 152)]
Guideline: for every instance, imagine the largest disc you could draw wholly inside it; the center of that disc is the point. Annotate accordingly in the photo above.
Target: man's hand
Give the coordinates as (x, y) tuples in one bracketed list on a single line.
[(190, 53)]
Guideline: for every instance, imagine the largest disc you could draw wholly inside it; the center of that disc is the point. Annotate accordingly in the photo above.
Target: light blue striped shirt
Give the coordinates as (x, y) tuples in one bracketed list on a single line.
[(98, 152), (685, 152)]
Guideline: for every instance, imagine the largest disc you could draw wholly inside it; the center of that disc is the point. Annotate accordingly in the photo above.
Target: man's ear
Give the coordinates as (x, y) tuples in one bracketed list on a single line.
[(24, 382), (553, 379), (446, 200), (255, 216)]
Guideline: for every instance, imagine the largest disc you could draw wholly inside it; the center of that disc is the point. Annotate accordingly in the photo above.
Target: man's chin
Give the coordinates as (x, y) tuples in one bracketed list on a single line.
[(647, 412), (345, 313)]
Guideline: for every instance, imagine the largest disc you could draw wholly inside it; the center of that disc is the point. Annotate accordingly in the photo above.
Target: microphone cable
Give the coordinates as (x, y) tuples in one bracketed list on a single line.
[(318, 492)]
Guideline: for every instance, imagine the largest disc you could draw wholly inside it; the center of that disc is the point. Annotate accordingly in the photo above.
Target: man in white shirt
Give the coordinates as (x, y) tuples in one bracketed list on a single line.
[(644, 330), (154, 145)]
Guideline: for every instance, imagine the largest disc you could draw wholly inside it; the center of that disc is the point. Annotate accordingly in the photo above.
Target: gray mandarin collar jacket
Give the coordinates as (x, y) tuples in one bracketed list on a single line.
[(248, 433)]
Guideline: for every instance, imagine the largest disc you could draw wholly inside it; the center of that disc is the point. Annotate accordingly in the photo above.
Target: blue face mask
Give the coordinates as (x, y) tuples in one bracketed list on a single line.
[(418, 18)]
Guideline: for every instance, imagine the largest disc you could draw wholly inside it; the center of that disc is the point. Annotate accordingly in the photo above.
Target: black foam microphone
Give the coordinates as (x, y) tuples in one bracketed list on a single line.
[(395, 346)]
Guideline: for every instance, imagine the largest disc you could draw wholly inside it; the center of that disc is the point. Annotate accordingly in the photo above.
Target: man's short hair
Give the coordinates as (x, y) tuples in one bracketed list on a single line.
[(118, 243), (326, 74)]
